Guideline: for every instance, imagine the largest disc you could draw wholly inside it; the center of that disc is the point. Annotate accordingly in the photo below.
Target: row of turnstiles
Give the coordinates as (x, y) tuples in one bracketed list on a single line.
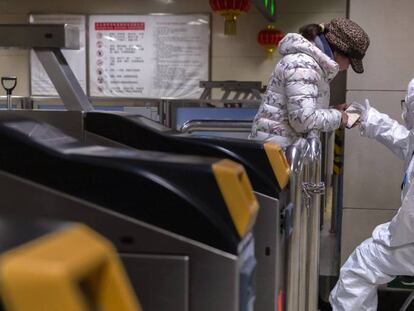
[(199, 223)]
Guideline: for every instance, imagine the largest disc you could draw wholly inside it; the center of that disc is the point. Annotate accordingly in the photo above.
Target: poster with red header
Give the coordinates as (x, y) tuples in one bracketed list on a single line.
[(150, 56)]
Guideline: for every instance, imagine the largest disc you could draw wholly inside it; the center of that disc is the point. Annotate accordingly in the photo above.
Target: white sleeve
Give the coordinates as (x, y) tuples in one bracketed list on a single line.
[(387, 131)]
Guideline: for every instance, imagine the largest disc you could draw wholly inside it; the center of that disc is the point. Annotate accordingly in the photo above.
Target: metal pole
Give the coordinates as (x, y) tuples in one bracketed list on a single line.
[(161, 113), (324, 171), (295, 154), (9, 102), (326, 168), (293, 254), (315, 189), (167, 113), (9, 83), (304, 220), (64, 80)]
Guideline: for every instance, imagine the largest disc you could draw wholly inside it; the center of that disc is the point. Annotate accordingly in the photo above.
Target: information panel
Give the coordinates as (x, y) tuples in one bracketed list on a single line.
[(40, 82), (153, 56)]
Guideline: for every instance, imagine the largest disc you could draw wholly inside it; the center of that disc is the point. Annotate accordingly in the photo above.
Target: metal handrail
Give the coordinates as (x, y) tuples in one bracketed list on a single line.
[(216, 125)]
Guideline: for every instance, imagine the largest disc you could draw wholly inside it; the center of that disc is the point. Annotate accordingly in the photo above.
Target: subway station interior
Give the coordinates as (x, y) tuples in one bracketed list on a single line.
[(206, 155)]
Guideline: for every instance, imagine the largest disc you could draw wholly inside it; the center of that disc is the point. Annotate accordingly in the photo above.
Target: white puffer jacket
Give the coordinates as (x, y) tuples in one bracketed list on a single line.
[(297, 96)]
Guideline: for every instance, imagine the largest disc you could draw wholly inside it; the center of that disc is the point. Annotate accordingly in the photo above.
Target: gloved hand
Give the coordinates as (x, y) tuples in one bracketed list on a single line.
[(410, 88), (362, 109)]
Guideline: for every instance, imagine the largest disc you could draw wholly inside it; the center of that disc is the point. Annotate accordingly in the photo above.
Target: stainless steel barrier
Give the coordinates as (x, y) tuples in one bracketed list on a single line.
[(304, 241), (313, 189), (296, 155)]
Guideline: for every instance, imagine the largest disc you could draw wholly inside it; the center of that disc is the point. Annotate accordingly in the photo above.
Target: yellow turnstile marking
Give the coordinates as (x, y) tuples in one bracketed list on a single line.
[(278, 162), (237, 193), (73, 269)]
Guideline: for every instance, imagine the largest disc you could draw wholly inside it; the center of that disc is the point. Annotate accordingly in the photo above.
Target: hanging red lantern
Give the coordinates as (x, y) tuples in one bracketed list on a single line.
[(230, 9), (269, 38)]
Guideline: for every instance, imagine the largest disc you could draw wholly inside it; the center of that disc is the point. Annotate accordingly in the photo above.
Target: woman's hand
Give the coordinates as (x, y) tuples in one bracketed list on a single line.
[(344, 119), (341, 107)]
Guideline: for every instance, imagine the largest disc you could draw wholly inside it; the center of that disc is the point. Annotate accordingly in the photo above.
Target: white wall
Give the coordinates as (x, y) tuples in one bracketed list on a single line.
[(233, 58), (373, 174)]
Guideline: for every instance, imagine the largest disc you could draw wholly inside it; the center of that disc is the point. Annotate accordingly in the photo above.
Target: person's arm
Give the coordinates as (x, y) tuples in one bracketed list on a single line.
[(387, 131), (302, 91)]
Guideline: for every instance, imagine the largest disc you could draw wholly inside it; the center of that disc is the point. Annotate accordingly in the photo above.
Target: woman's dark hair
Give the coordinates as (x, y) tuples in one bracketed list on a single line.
[(311, 31)]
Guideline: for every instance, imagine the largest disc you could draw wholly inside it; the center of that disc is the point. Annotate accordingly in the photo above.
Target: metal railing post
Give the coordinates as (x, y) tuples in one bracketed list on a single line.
[(313, 190), (295, 154), (328, 159), (304, 240)]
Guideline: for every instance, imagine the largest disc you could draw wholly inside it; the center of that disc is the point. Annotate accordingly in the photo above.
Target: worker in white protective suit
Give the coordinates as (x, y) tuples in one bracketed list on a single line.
[(390, 250)]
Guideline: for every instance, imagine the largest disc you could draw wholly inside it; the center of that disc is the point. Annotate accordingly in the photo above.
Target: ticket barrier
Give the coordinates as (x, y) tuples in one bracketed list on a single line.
[(176, 236), (47, 48), (265, 164), (48, 266)]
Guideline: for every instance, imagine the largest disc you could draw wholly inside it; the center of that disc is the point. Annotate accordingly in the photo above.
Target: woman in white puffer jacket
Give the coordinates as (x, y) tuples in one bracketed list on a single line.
[(296, 101)]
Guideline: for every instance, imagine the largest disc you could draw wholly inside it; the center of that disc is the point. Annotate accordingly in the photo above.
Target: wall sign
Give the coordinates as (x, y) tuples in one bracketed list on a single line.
[(153, 56)]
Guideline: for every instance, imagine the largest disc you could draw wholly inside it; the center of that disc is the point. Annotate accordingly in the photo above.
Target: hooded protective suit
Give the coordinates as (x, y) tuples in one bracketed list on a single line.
[(390, 250)]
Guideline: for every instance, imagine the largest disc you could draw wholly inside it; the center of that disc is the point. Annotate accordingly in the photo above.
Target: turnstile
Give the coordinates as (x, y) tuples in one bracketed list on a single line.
[(269, 231), (183, 235), (48, 51), (265, 164)]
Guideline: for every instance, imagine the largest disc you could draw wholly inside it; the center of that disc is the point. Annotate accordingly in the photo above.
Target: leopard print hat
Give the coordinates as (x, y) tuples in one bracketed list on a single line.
[(348, 38)]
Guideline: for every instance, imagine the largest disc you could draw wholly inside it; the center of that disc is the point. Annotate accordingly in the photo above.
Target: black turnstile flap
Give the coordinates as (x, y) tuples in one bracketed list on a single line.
[(265, 164), (178, 193)]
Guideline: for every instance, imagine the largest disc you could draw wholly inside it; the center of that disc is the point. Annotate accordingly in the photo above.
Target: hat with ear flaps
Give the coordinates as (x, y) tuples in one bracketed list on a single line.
[(349, 39)]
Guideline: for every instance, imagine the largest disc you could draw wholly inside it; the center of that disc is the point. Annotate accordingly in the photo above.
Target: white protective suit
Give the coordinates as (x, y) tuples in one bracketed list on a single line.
[(390, 250)]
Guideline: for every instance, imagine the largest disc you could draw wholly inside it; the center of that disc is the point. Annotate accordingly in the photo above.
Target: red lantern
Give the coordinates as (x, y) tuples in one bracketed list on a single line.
[(230, 9), (269, 38)]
